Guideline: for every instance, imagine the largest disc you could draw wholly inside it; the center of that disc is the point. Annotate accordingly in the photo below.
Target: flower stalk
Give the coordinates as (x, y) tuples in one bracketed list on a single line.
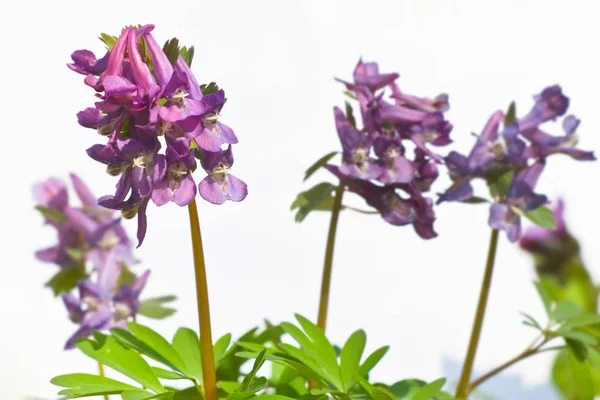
[(463, 384), (209, 375), (328, 265), (101, 372)]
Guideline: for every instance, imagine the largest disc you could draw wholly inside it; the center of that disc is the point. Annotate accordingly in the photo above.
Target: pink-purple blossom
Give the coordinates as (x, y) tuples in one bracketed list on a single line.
[(157, 122)]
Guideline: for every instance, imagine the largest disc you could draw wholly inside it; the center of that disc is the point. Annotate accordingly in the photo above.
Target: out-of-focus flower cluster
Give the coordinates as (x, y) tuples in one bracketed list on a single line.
[(511, 159), (146, 92), (92, 253), (389, 161)]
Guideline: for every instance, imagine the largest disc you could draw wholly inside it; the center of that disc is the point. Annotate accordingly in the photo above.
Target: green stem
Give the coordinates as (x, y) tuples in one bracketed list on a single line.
[(209, 376), (521, 356), (327, 267), (463, 383), (101, 372)]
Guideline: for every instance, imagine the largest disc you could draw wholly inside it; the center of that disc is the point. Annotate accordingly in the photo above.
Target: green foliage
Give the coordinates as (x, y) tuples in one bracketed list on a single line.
[(154, 307), (499, 181), (511, 114), (212, 87), (51, 214), (187, 53), (318, 164), (171, 49), (66, 279), (108, 40), (541, 216), (576, 370), (317, 198)]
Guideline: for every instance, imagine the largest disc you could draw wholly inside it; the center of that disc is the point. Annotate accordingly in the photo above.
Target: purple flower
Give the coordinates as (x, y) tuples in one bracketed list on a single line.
[(101, 303), (155, 117), (521, 147), (375, 162), (547, 240), (88, 232), (220, 185), (505, 215)]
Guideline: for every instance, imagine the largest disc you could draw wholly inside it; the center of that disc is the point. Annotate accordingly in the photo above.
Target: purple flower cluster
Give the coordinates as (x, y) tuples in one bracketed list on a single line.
[(375, 160), (144, 96), (91, 252), (519, 151)]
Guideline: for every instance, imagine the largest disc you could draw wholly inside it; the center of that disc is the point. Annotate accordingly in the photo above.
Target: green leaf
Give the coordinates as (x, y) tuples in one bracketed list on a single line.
[(318, 164), (171, 49), (350, 114), (190, 393), (153, 307), (511, 114), (220, 347), (577, 335), (246, 385), (109, 352), (75, 254), (168, 374), (210, 88), (187, 345), (108, 40), (321, 343), (582, 320), (51, 214), (499, 186), (128, 339), (159, 344), (430, 390), (545, 296), (187, 54), (578, 349), (350, 358), (81, 385), (565, 310), (476, 200), (541, 216), (66, 279), (582, 377), (371, 361), (530, 321), (350, 94), (407, 388), (144, 395), (319, 197)]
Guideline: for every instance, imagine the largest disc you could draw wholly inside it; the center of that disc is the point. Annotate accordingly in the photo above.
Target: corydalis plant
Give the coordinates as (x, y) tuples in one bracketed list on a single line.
[(147, 93), (93, 254), (512, 159), (388, 161)]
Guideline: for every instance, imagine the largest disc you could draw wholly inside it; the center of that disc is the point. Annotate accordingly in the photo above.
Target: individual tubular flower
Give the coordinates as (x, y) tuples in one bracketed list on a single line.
[(516, 154), (389, 161), (92, 252), (156, 119)]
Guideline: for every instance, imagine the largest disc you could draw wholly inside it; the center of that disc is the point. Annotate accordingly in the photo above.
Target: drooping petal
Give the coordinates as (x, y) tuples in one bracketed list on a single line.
[(186, 191)]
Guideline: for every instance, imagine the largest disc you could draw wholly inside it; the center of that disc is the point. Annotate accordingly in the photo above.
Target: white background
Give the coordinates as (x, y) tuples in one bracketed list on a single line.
[(277, 60)]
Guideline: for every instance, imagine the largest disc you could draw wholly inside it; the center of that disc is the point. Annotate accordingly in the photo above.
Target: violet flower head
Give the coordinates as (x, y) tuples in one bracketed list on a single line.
[(511, 158), (157, 121), (390, 161), (93, 254), (85, 233)]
